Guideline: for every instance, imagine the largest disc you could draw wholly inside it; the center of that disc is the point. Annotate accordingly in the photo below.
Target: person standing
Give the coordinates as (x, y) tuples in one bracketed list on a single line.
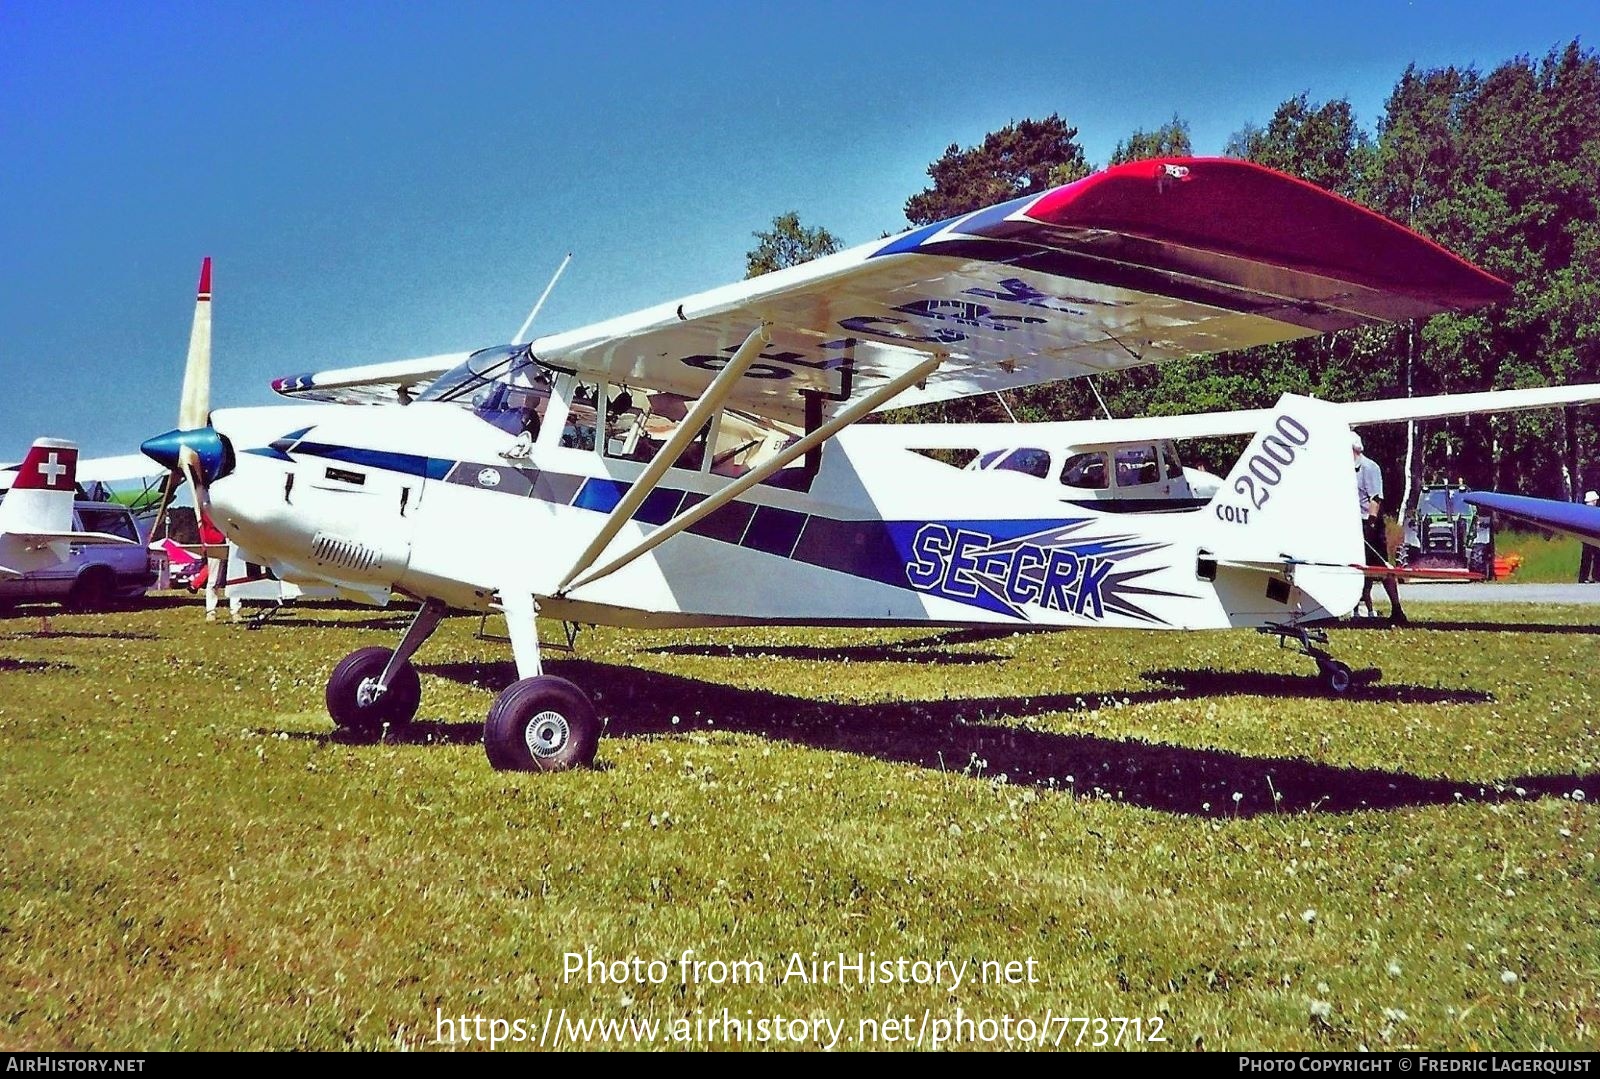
[(1369, 493), (216, 571), (1589, 564)]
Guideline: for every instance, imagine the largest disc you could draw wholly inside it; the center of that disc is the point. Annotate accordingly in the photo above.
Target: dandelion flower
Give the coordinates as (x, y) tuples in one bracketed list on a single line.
[(1508, 977), (1308, 915)]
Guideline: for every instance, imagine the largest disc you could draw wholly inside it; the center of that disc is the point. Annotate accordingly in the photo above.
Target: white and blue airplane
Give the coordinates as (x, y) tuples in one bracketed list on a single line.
[(703, 463)]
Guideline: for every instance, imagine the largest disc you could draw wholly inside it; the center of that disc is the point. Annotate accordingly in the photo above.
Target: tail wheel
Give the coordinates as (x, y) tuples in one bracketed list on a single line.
[(91, 591), (1336, 677), (542, 724), (354, 703)]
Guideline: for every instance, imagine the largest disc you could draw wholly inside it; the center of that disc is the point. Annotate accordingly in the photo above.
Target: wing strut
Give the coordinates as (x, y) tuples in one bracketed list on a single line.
[(760, 472), (703, 410)]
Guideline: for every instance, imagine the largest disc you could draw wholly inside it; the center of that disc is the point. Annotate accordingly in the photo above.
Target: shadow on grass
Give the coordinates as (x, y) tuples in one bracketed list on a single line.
[(954, 736), (78, 634), (904, 652), (916, 650), (32, 666), (1475, 627), (422, 732), (382, 621), (1197, 683)]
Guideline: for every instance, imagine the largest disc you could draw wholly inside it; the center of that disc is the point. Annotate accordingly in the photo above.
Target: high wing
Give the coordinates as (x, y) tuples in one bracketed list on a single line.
[(987, 436), (373, 384), (1568, 518), (1138, 264)]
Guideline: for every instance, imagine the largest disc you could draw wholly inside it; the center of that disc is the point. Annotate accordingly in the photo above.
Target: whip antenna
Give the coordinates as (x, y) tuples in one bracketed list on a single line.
[(543, 296)]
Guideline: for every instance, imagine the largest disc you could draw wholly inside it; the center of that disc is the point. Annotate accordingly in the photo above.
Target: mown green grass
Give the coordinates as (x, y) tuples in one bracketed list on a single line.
[(1545, 558), (1172, 825)]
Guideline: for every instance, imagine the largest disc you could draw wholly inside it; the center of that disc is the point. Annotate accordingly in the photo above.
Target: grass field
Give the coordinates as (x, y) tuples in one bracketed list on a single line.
[(1545, 558), (1172, 826)]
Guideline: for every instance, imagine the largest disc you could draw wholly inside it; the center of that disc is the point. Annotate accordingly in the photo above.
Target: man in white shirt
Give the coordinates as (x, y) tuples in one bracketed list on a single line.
[(1369, 493)]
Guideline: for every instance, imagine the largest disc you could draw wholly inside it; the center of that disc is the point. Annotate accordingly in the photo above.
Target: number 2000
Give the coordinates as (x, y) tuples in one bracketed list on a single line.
[(1265, 467)]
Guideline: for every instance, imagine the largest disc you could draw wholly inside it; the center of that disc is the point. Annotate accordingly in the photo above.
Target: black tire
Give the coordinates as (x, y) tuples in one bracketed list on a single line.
[(91, 591), (1336, 677), (542, 724), (396, 707)]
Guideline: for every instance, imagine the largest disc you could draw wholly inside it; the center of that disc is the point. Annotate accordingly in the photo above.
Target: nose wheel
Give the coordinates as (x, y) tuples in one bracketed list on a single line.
[(359, 707), (374, 688)]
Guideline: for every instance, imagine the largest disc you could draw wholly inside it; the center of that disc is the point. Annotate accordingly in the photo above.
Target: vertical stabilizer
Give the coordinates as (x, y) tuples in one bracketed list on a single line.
[(37, 511), (1289, 507)]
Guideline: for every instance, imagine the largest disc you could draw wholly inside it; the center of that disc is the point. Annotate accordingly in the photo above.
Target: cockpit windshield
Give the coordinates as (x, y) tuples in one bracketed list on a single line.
[(504, 385)]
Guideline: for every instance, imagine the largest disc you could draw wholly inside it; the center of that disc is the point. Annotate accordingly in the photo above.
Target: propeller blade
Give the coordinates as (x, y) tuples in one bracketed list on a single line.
[(169, 487), (195, 405), (189, 460)]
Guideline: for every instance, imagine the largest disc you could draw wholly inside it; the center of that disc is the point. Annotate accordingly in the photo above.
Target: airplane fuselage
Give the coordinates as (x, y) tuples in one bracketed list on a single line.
[(420, 499)]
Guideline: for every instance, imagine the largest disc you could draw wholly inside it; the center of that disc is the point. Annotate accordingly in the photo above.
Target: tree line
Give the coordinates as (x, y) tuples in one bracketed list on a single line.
[(1502, 168)]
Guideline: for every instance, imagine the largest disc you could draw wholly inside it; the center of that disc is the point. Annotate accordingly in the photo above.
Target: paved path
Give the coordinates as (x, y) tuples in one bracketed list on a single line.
[(1482, 592)]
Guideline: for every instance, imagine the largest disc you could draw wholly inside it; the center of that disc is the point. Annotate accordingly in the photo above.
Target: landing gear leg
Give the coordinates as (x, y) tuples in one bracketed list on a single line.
[(539, 723), (1336, 677), (372, 688)]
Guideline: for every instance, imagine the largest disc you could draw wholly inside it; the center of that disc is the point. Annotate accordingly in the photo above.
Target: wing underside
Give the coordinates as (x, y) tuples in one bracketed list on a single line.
[(1139, 264)]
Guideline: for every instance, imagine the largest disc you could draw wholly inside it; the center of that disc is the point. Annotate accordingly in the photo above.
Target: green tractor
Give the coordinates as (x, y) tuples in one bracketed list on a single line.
[(1444, 532)]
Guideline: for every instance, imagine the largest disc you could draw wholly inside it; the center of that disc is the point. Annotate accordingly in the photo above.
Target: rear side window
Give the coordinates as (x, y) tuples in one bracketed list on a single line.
[(1086, 470), (112, 522), (1136, 466), (1034, 462)]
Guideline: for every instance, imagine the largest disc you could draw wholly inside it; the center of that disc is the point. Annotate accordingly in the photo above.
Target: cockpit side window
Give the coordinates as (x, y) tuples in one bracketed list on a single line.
[(1086, 471), (639, 423), (1136, 466), (1033, 462), (990, 458)]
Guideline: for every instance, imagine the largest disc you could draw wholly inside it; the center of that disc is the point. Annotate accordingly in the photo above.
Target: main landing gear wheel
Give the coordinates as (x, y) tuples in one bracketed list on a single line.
[(542, 724), (354, 702)]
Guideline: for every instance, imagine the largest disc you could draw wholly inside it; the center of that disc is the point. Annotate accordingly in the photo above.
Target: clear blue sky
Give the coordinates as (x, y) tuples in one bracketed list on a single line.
[(379, 181)]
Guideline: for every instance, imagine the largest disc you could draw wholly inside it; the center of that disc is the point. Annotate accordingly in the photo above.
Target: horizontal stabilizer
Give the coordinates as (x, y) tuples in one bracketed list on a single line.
[(987, 436), (83, 539)]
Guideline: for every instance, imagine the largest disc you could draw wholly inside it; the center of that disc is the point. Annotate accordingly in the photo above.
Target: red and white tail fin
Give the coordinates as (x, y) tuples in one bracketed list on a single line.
[(40, 500), (36, 516)]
